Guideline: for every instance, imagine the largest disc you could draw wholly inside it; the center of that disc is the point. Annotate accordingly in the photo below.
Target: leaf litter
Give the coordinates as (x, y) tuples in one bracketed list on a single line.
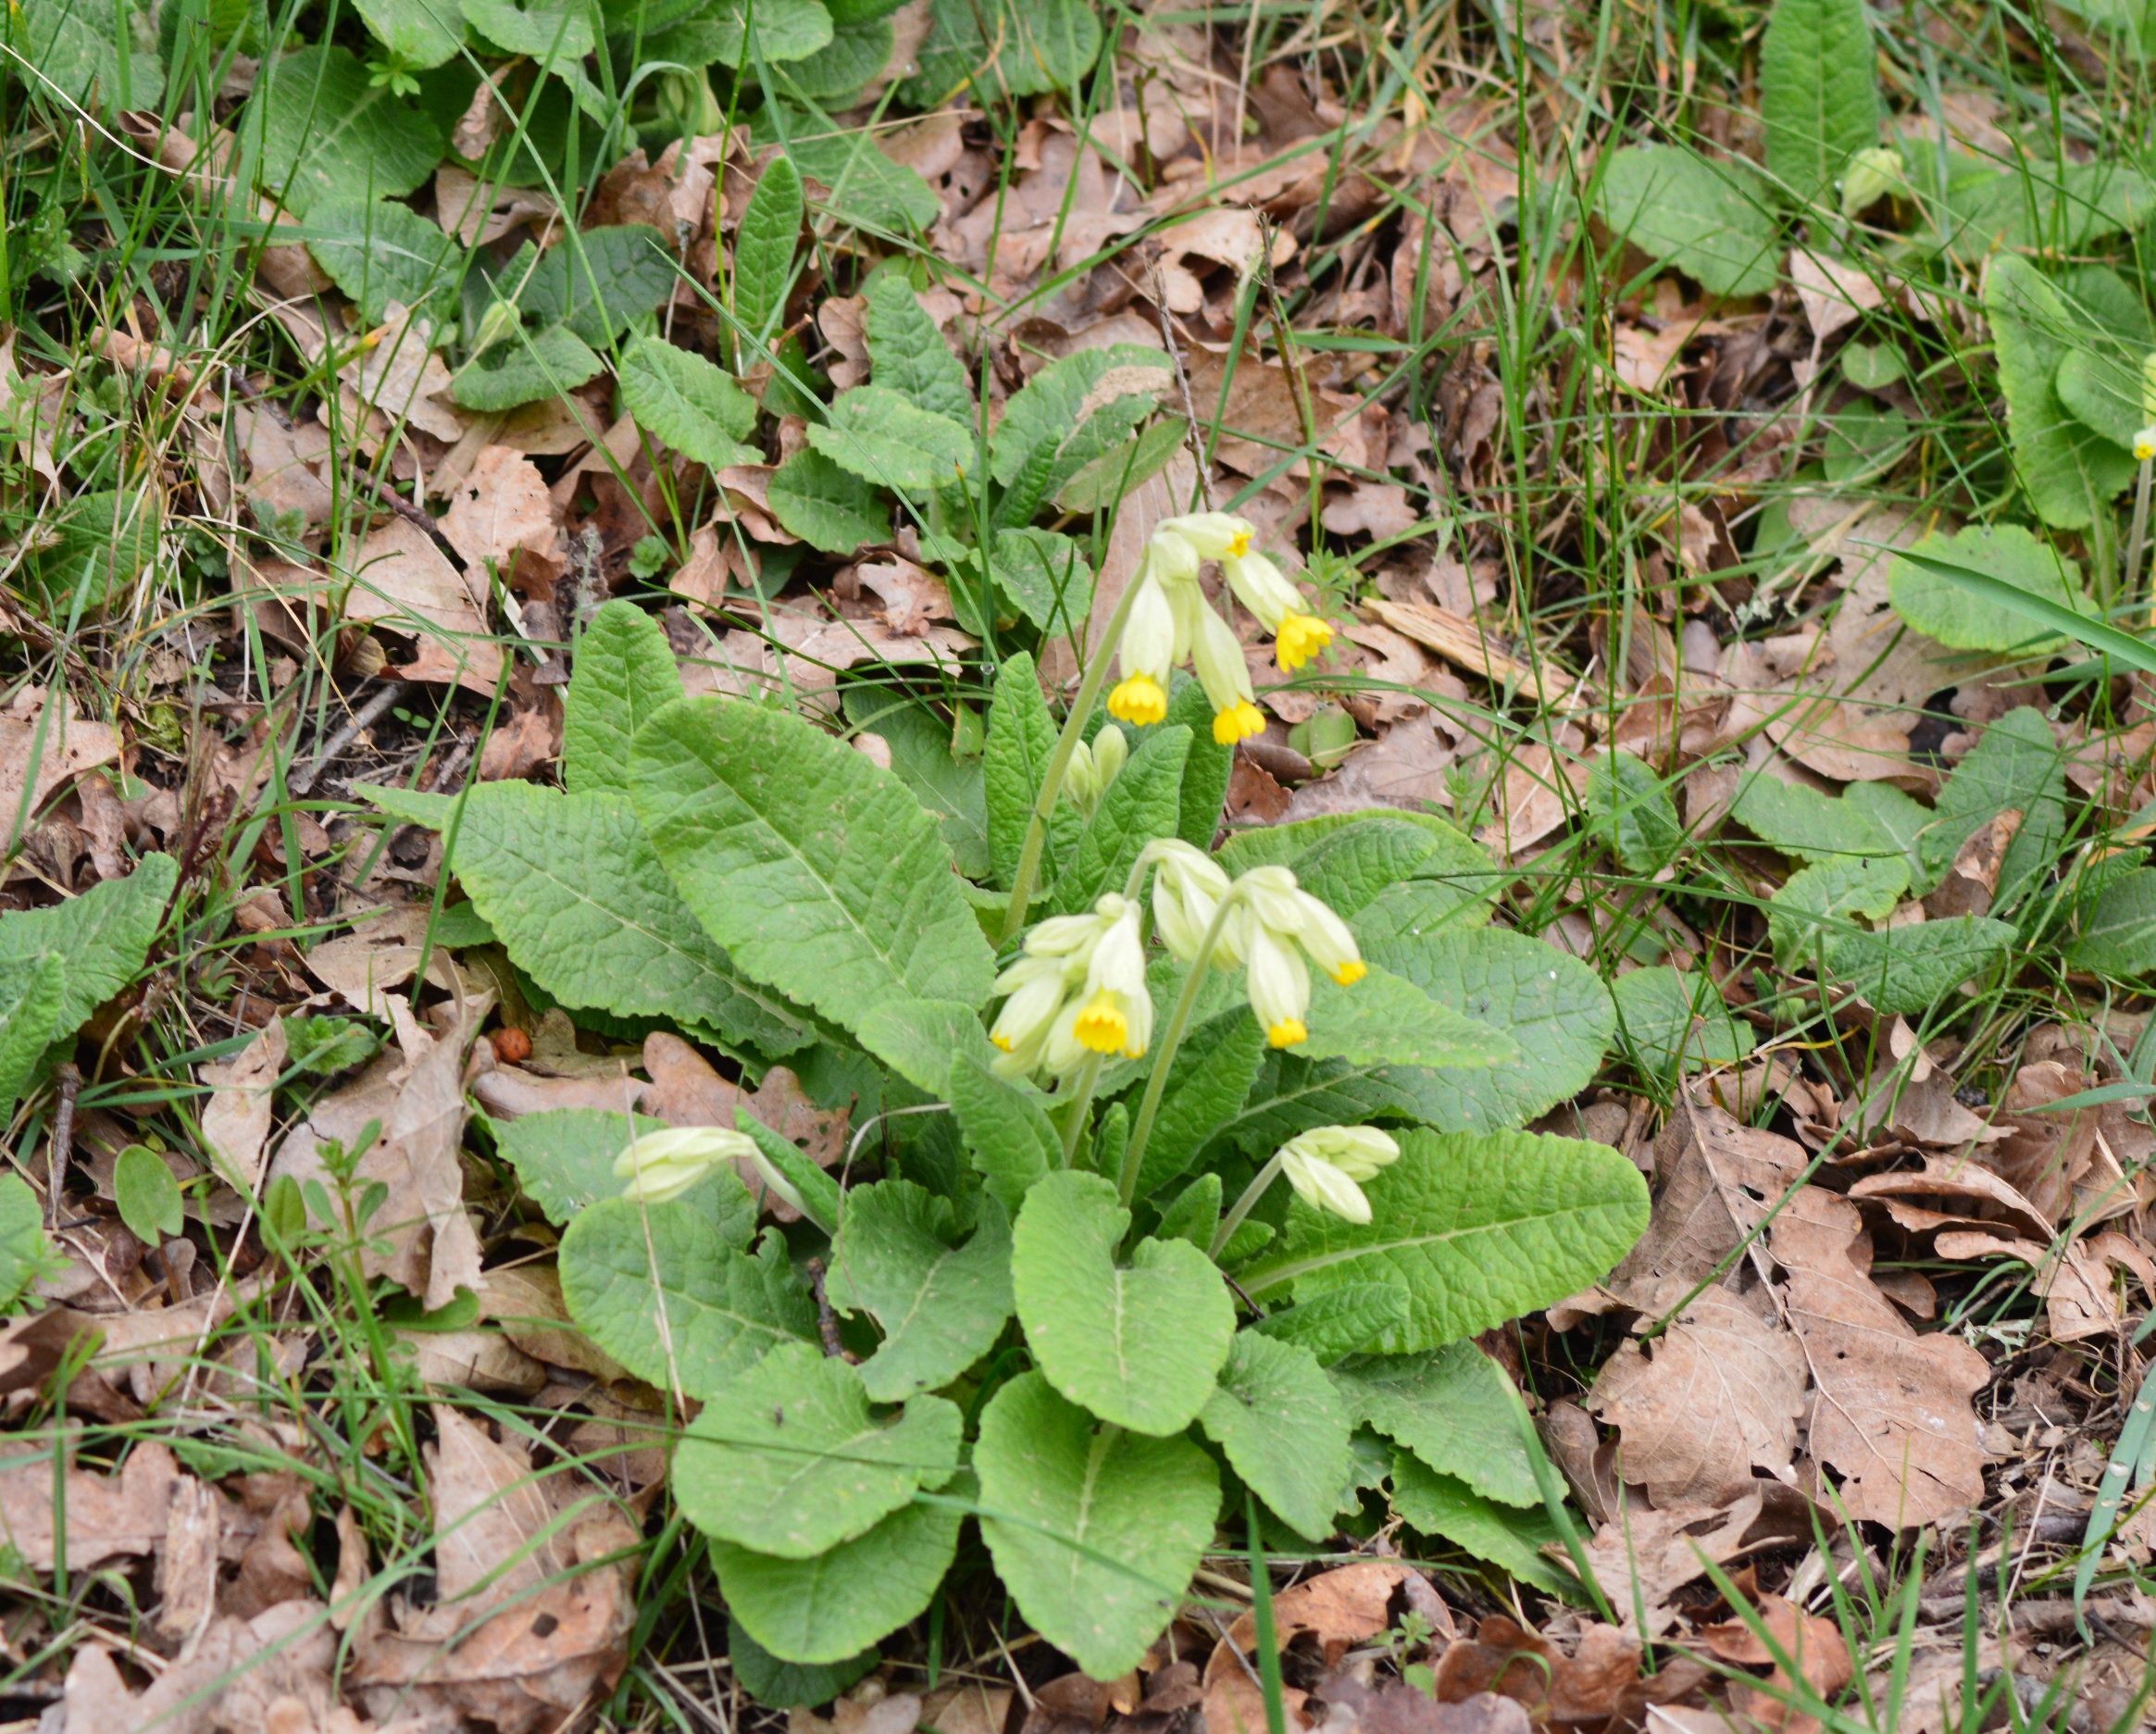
[(1888, 1288)]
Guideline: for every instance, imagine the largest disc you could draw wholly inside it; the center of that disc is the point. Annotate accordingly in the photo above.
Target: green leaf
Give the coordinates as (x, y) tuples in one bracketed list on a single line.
[(418, 33), (1439, 1506), (1212, 1075), (101, 938), (1340, 1322), (1816, 93), (818, 870), (524, 367), (922, 1041), (792, 1463), (2019, 766), (1812, 826), (1143, 803), (1027, 50), (1195, 1214), (554, 33), (1078, 408), (786, 1685), (921, 757), (1021, 739), (1479, 1228), (1349, 868), (625, 671), (1101, 483), (908, 354), (1453, 1409), (571, 886), (25, 1252), (1913, 968), (328, 132), (377, 252), (2042, 203), (819, 1194), (1383, 1019), (827, 506), (598, 282), (147, 1196), (1284, 1428), (101, 542), (564, 1159), (1819, 903), (89, 53), (2102, 391), (866, 187), (1137, 1344), (31, 990), (1941, 608), (2098, 635), (1013, 1141), (1457, 860), (764, 248), (1630, 809), (2069, 472), (827, 1608), (941, 1308), (409, 806), (786, 29), (723, 1307), (1094, 1531), (877, 435), (1045, 575), (1711, 220), (1672, 1015), (2117, 934), (693, 406)]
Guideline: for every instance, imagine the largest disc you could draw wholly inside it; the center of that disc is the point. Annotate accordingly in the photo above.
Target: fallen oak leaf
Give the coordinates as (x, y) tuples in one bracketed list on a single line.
[(1808, 1640)]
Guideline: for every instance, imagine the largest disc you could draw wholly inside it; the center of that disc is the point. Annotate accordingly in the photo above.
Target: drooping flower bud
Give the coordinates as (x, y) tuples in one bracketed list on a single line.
[(662, 1166), (1326, 1164)]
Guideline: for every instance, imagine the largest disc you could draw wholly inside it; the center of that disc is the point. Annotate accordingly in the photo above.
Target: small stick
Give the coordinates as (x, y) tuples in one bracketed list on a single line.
[(827, 1321), (71, 1081), (365, 717)]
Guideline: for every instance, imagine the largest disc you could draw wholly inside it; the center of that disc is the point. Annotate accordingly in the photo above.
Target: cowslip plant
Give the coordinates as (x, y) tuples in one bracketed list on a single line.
[(1055, 1286)]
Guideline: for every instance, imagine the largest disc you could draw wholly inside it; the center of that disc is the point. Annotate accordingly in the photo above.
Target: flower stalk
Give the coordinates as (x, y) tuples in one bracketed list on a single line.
[(1171, 1038)]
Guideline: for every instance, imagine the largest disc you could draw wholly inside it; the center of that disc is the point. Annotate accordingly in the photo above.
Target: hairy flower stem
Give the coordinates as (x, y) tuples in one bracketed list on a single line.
[(2136, 538), (1081, 1105), (1074, 728), (1244, 1206), (1171, 1038)]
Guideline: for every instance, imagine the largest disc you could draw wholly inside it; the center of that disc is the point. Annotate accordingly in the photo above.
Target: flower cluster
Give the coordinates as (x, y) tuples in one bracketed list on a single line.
[(1170, 622), (1327, 1165), (1079, 985), (1078, 988)]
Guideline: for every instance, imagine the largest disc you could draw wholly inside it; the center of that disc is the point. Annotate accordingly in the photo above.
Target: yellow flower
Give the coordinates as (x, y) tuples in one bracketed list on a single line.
[(1266, 591), (1238, 722), (1139, 701), (1112, 1012), (2145, 445), (1101, 1026), (1300, 637)]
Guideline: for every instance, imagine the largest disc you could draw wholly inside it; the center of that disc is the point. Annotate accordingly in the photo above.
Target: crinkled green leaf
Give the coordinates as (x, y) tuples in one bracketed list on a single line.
[(553, 33), (921, 758), (865, 187), (330, 133), (524, 367), (418, 33), (2042, 203), (1940, 608), (32, 990), (818, 870), (1385, 1019), (101, 937), (2017, 766), (88, 53), (1668, 1016), (1021, 739), (1349, 868), (724, 1308), (1101, 483), (1340, 1322), (2116, 932), (1058, 407), (1212, 1075), (793, 1461), (923, 1039), (1630, 809), (1095, 1531), (1138, 1343), (1713, 221), (786, 29), (25, 1252), (1457, 862), (1816, 93), (941, 1308), (2070, 473), (877, 435), (1478, 1226), (1028, 49), (1284, 1428), (572, 888), (1045, 576), (1195, 1214), (908, 354), (827, 1608), (598, 282), (1013, 1141), (693, 406), (1453, 1409), (1142, 803), (818, 1194), (779, 1685), (1812, 826), (1913, 968), (378, 251), (765, 246), (1440, 1505), (827, 506), (625, 671), (1819, 903)]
